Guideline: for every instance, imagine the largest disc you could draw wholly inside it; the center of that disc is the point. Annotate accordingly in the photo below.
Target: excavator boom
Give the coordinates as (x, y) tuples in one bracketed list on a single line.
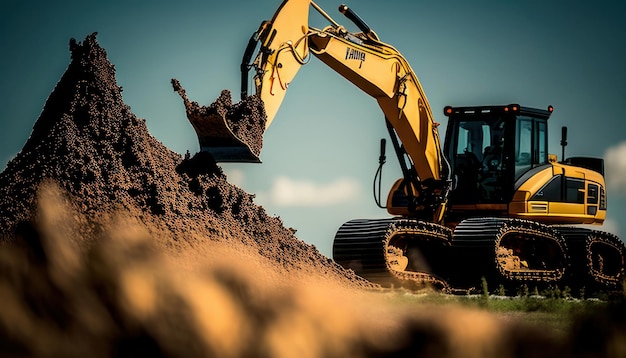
[(381, 71)]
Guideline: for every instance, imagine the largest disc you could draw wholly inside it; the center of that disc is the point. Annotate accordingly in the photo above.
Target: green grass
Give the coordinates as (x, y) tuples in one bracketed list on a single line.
[(550, 312), (553, 308), (502, 304)]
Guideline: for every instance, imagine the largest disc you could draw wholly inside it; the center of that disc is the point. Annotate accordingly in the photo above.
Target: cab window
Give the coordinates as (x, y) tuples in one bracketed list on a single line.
[(531, 144)]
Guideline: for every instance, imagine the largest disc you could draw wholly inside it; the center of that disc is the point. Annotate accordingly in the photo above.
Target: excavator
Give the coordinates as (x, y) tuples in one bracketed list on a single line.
[(490, 204)]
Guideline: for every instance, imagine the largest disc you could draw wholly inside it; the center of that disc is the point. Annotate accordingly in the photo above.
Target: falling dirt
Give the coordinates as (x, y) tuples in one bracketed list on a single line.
[(113, 245)]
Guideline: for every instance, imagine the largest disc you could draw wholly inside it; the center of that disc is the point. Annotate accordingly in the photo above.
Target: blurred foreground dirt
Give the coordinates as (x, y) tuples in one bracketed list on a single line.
[(113, 245)]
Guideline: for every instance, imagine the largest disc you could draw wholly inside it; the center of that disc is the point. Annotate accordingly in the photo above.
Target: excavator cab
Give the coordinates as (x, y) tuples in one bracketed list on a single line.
[(490, 147), (501, 167)]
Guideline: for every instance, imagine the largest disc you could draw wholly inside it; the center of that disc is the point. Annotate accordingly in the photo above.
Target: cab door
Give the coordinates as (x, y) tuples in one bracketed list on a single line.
[(571, 199)]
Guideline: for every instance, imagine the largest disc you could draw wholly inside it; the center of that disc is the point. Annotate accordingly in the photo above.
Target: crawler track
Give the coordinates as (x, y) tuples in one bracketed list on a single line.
[(393, 252), (597, 258), (400, 252), (507, 251)]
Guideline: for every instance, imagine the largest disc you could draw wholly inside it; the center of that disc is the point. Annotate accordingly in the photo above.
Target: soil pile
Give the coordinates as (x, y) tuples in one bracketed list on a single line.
[(91, 144)]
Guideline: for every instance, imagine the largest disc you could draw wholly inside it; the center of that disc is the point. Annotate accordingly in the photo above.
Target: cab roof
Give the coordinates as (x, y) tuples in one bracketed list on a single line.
[(515, 109)]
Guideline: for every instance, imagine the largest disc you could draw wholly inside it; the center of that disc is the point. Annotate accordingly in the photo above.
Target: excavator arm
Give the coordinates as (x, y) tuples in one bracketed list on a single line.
[(281, 46), (373, 66)]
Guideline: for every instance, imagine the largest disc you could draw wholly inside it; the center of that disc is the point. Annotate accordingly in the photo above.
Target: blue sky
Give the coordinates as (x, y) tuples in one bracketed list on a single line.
[(321, 152)]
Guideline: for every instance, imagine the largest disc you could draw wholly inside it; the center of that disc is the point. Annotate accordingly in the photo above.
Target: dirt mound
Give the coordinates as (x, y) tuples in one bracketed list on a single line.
[(91, 144)]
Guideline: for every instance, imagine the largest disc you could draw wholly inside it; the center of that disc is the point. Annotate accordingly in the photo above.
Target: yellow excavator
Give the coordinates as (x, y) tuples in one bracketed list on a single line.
[(492, 203)]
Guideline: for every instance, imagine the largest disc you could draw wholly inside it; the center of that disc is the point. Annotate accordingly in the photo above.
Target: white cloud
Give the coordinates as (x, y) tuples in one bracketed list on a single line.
[(615, 168), (290, 192)]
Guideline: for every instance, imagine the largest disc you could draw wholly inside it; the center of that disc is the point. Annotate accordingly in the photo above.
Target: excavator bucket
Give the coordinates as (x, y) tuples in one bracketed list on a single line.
[(230, 133)]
